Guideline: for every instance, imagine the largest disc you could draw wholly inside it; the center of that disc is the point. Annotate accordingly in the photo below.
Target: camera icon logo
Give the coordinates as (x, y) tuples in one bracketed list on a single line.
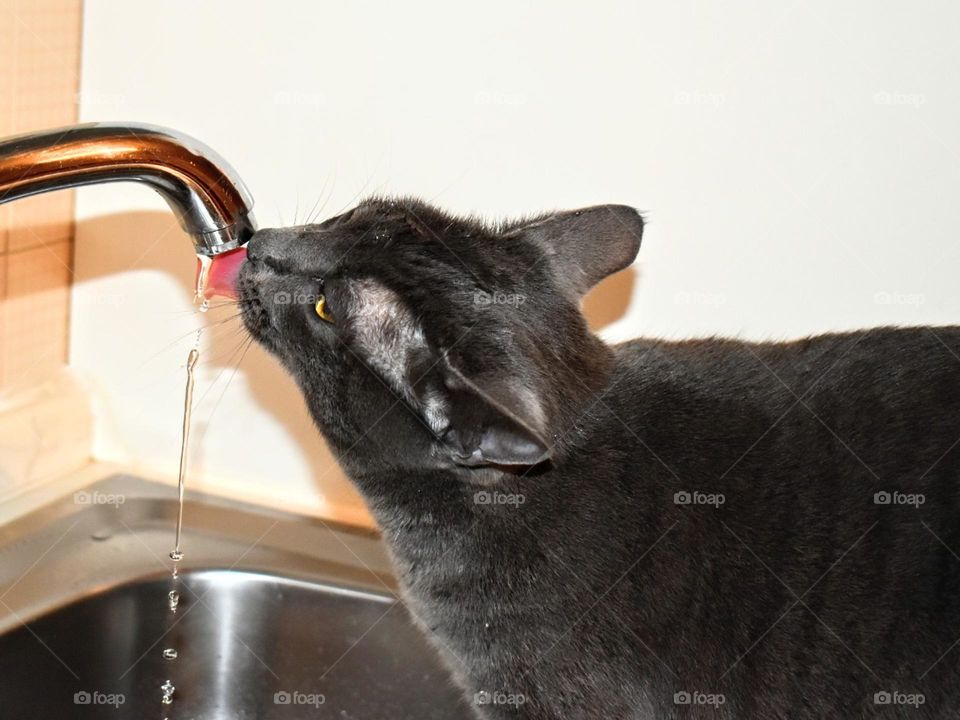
[(282, 698), (82, 698), (681, 698), (682, 498), (882, 498)]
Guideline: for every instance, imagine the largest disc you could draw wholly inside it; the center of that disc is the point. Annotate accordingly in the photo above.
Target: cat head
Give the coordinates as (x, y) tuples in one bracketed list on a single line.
[(423, 340)]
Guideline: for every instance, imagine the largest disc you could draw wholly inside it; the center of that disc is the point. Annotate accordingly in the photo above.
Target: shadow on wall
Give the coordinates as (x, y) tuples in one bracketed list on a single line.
[(104, 249), (609, 300)]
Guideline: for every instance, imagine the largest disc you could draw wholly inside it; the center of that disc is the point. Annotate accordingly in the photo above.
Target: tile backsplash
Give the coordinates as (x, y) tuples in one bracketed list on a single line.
[(39, 84)]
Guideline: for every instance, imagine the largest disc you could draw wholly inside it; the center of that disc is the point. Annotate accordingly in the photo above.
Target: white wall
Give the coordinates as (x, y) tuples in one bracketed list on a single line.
[(799, 163)]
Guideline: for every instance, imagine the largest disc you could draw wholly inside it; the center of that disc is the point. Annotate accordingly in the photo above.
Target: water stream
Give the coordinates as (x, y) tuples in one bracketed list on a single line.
[(170, 654)]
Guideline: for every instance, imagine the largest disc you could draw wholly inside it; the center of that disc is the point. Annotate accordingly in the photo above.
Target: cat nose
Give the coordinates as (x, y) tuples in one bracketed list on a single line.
[(271, 246)]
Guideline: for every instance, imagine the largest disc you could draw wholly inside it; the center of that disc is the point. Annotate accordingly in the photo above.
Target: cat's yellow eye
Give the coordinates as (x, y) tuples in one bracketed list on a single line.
[(322, 310)]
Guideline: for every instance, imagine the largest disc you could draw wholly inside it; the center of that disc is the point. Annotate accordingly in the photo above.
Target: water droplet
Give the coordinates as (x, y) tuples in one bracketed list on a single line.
[(176, 555), (168, 690), (170, 654), (204, 306), (174, 599), (203, 275)]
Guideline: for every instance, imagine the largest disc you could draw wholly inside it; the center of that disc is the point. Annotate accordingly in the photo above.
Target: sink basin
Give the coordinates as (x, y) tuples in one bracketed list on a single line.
[(279, 616)]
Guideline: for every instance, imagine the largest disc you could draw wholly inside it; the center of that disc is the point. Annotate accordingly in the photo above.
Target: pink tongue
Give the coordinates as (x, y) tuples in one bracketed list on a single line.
[(224, 269)]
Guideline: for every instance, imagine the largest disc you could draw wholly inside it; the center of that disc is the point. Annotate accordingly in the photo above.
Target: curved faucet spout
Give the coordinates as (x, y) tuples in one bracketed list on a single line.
[(203, 191)]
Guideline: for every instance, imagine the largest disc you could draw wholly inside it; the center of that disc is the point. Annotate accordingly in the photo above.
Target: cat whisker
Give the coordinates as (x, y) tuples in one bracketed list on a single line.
[(239, 348), (224, 357), (363, 189), (233, 374), (212, 328), (323, 190)]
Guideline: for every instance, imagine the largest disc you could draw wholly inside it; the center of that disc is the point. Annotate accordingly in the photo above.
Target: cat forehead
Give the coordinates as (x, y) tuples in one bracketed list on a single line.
[(421, 218)]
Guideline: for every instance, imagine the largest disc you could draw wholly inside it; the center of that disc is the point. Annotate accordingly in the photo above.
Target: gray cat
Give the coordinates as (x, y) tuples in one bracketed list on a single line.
[(709, 528)]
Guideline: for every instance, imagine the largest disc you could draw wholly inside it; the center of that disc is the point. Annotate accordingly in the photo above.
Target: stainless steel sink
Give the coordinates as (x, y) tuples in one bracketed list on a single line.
[(280, 616)]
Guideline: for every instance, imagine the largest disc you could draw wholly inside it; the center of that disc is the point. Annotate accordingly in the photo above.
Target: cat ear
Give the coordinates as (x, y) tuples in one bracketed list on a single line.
[(489, 422), (584, 246)]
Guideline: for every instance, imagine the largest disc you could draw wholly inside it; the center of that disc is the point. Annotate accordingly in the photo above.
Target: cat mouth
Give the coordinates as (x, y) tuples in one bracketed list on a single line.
[(253, 311)]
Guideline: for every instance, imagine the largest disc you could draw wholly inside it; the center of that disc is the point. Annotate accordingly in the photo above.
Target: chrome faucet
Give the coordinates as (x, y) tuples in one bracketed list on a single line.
[(203, 191)]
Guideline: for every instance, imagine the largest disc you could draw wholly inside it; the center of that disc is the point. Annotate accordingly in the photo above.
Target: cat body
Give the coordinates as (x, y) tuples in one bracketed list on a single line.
[(707, 528)]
